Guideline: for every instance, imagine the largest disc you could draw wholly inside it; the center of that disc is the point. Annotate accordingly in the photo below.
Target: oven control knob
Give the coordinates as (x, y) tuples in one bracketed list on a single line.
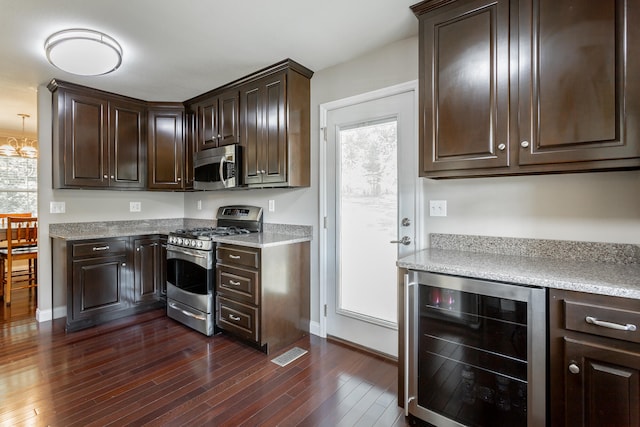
[(179, 241), (199, 243), (193, 243)]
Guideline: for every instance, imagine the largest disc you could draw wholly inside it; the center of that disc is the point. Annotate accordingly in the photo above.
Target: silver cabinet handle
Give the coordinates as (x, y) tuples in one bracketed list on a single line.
[(618, 327), (524, 144), (101, 248), (234, 318), (231, 282), (105, 176), (124, 264), (113, 177), (234, 256), (574, 369), (406, 240), (501, 147)]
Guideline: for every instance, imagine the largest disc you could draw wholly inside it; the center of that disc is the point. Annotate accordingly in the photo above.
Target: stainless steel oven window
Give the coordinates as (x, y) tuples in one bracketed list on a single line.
[(463, 304)]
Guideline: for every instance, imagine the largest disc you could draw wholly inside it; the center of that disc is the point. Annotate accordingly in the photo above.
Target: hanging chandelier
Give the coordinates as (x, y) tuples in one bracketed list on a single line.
[(23, 147)]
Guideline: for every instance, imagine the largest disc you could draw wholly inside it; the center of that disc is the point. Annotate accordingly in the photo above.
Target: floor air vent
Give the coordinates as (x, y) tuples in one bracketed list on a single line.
[(289, 356)]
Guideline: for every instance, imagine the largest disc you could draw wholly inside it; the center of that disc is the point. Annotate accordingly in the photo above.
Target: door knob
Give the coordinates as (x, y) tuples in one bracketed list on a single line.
[(406, 240)]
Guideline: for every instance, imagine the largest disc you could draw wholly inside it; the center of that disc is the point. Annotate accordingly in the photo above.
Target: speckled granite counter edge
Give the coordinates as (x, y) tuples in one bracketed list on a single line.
[(109, 229), (599, 268)]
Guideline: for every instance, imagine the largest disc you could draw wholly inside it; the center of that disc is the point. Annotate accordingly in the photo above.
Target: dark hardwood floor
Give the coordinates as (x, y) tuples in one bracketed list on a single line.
[(150, 370)]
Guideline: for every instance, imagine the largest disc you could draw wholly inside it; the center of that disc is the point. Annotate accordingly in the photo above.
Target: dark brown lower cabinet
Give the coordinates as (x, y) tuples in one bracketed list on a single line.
[(594, 365), (147, 269), (107, 279), (263, 293)]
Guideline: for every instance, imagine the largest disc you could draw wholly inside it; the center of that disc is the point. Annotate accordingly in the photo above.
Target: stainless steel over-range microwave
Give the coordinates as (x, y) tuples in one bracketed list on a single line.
[(218, 168)]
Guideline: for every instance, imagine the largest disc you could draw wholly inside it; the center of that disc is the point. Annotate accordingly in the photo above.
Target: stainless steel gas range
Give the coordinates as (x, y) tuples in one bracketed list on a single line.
[(191, 265)]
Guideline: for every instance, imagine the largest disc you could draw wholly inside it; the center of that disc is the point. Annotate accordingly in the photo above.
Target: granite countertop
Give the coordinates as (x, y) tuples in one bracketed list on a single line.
[(272, 235), (594, 276)]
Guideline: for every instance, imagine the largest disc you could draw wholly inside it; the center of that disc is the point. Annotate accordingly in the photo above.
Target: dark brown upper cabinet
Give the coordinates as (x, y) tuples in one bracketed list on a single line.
[(274, 127), (528, 87), (99, 139), (166, 146), (217, 120)]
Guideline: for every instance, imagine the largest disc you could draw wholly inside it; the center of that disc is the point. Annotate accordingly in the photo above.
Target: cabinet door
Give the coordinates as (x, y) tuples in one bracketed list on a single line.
[(85, 141), (162, 268), (207, 112), (165, 149), (251, 97), (464, 84), (127, 145), (263, 122), (577, 102), (273, 149), (229, 123), (98, 286), (146, 271), (602, 385)]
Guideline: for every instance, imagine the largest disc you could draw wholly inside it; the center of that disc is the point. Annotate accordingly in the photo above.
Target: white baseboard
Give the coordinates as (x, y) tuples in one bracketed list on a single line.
[(314, 328), (46, 315)]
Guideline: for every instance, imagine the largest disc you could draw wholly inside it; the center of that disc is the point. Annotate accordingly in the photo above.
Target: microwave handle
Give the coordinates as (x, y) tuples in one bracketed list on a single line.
[(223, 160)]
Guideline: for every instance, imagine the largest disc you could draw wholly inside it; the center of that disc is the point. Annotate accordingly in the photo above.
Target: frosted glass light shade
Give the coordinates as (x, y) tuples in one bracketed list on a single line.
[(83, 52)]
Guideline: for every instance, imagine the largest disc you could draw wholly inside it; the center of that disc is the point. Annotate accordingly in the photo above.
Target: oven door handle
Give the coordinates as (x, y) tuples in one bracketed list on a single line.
[(186, 313), (183, 252)]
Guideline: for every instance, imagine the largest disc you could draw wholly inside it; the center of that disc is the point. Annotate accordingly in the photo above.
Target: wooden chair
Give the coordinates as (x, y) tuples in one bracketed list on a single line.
[(4, 216), (22, 244)]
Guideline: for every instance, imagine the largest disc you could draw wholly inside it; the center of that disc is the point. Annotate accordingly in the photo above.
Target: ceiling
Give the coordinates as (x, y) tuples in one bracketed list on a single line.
[(176, 50)]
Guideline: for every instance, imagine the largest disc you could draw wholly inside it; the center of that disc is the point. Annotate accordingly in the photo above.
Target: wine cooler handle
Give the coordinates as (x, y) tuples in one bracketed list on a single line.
[(408, 288)]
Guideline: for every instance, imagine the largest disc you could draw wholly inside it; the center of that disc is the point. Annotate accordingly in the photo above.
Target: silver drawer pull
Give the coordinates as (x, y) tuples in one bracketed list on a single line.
[(101, 248), (231, 282), (234, 318), (234, 256), (618, 327)]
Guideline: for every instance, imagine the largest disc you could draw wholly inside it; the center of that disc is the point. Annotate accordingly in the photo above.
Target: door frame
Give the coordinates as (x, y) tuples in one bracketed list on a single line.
[(411, 86)]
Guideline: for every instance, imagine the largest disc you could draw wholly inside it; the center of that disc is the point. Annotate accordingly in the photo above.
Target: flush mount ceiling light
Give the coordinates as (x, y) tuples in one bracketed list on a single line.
[(83, 52)]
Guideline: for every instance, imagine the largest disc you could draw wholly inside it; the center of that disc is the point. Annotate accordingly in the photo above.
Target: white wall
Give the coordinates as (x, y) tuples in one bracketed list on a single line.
[(82, 206), (596, 207)]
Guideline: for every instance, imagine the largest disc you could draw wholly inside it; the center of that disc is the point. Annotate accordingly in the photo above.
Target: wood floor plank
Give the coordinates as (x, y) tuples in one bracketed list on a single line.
[(150, 370)]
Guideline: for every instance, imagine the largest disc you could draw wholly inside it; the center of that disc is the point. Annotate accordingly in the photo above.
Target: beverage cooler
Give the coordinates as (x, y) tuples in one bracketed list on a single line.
[(475, 352)]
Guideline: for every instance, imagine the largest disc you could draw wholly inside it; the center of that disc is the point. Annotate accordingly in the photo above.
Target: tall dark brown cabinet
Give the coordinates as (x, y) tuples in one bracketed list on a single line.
[(524, 87), (166, 146)]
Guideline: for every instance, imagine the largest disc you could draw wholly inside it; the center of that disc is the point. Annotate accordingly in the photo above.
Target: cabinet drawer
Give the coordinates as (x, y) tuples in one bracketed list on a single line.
[(100, 248), (247, 257), (238, 318), (239, 284), (602, 320)]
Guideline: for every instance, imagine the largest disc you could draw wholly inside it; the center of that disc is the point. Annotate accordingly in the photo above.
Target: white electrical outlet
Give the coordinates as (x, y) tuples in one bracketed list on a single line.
[(437, 208), (199, 205), (135, 206), (272, 205), (56, 207)]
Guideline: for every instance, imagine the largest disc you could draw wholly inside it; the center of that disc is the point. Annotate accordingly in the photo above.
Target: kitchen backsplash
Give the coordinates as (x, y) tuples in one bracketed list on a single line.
[(617, 253)]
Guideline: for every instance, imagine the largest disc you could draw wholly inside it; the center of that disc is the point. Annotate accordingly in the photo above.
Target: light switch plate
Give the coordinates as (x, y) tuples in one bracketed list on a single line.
[(135, 206), (272, 205), (437, 208), (57, 207), (199, 205)]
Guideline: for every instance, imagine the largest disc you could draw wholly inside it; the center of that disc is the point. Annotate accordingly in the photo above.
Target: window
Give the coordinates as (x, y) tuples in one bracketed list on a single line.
[(18, 185)]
